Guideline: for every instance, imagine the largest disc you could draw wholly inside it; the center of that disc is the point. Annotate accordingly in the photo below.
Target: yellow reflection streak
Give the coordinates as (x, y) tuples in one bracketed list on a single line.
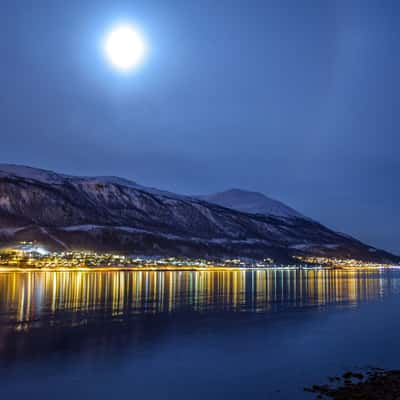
[(28, 296)]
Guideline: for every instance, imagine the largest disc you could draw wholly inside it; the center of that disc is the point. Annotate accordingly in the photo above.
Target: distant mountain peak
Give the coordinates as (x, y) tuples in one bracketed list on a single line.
[(251, 202)]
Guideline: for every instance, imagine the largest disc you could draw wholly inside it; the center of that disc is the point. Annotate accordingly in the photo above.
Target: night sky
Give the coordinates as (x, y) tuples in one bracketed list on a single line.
[(296, 99)]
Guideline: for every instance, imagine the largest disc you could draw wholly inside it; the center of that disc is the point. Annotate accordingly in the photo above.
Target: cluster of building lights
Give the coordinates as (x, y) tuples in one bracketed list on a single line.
[(30, 256), (339, 263)]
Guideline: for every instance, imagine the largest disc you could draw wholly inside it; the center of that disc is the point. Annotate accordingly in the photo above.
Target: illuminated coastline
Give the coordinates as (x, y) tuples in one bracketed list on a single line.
[(345, 263), (28, 257)]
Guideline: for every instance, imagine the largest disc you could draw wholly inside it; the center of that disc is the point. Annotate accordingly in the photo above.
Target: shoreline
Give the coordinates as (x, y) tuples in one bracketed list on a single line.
[(149, 268)]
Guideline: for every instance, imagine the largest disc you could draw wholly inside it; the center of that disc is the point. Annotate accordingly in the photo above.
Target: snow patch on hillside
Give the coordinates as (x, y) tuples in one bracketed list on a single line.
[(11, 231), (128, 229)]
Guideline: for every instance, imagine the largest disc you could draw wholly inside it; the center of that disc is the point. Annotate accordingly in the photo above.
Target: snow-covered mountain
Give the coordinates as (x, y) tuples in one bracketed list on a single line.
[(251, 202), (110, 213)]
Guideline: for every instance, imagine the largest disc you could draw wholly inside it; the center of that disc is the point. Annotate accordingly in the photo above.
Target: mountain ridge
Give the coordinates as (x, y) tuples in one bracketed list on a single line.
[(115, 214)]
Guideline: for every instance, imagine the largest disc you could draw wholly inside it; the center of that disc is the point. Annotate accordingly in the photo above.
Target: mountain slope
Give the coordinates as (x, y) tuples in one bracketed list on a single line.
[(104, 213), (251, 202)]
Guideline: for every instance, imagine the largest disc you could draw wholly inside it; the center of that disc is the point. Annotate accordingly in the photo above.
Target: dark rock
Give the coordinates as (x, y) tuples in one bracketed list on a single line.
[(374, 384)]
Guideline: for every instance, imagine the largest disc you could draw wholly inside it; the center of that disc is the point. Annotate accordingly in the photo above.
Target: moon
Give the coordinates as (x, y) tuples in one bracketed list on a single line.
[(124, 47)]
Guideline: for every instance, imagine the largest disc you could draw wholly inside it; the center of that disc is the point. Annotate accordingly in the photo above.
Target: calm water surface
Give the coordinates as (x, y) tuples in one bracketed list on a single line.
[(179, 335)]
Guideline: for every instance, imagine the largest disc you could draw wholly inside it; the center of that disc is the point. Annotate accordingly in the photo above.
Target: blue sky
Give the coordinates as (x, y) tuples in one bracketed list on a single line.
[(295, 99)]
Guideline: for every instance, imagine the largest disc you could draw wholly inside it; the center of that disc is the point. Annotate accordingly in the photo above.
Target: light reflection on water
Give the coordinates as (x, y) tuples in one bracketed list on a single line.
[(35, 296), (198, 334)]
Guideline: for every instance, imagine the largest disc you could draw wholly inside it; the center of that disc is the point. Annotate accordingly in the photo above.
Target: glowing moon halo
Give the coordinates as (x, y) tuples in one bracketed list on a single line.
[(124, 47)]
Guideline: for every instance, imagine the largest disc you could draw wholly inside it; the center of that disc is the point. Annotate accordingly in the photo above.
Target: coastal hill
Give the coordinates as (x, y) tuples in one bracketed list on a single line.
[(115, 214)]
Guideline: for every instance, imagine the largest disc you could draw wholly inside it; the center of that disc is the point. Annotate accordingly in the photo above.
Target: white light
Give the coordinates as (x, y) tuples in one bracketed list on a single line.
[(41, 251), (124, 47)]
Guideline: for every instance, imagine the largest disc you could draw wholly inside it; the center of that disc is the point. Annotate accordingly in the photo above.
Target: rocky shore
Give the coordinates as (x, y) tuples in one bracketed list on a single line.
[(373, 384)]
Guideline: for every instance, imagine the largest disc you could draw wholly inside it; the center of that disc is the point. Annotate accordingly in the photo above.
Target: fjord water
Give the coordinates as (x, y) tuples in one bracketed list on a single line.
[(192, 334)]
